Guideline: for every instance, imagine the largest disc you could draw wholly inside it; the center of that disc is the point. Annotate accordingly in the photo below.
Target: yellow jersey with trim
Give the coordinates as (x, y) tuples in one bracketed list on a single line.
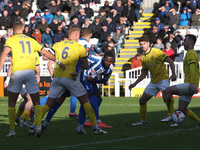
[(23, 50), (37, 63), (191, 57), (68, 52), (154, 62)]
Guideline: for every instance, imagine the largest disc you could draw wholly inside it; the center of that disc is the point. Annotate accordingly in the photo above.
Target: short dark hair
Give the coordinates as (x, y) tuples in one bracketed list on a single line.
[(85, 32), (109, 54), (144, 39), (191, 37)]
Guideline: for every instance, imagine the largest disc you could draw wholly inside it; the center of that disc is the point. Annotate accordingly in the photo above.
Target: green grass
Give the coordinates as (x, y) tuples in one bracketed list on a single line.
[(117, 112)]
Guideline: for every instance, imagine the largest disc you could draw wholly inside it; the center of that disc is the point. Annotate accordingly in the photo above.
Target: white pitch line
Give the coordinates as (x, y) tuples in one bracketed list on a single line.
[(124, 139)]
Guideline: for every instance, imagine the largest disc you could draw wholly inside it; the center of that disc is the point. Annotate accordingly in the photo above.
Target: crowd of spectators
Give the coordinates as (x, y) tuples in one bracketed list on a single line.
[(171, 17), (49, 25)]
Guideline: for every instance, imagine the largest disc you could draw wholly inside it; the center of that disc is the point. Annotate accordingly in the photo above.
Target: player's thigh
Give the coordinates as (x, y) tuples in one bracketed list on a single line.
[(56, 89), (163, 84), (185, 89), (75, 87), (151, 89)]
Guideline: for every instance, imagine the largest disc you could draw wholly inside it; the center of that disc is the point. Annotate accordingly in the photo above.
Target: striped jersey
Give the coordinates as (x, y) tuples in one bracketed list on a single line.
[(96, 70)]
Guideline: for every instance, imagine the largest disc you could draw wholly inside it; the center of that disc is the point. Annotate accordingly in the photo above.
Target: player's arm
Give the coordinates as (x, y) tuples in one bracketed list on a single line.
[(84, 62), (140, 78), (50, 68), (8, 76), (3, 56), (192, 67), (172, 66), (52, 57)]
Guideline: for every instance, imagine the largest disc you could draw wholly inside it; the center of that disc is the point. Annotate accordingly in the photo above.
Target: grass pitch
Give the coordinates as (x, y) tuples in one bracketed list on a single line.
[(117, 112)]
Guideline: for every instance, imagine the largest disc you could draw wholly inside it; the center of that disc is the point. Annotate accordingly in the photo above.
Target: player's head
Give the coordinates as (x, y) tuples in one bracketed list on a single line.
[(86, 34), (74, 32), (189, 41), (144, 43), (18, 27), (108, 59)]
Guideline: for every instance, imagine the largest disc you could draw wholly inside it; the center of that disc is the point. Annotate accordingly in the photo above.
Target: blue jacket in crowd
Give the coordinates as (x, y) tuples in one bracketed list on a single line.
[(185, 19)]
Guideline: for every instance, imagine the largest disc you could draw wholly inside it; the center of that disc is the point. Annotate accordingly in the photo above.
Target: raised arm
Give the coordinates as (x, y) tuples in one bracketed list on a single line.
[(172, 66)]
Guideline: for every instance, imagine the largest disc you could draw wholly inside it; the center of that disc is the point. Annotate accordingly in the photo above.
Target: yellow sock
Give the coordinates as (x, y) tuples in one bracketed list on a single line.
[(26, 114), (193, 116), (45, 109), (38, 115), (143, 110), (19, 113), (12, 115), (90, 113), (170, 106)]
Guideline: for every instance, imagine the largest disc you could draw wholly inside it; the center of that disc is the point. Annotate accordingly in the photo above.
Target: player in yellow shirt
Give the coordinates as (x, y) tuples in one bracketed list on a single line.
[(69, 52), (191, 81), (153, 61), (23, 50)]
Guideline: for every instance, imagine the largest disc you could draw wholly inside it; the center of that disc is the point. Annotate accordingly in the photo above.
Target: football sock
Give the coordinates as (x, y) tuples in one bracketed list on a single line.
[(143, 110), (52, 111), (193, 116), (93, 102), (73, 102), (26, 114), (170, 106), (38, 115), (19, 113), (12, 115), (45, 109), (82, 116), (90, 112), (99, 100)]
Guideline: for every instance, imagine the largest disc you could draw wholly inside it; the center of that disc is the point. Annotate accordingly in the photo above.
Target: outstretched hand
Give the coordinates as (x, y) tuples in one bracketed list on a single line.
[(173, 77), (62, 66), (131, 86)]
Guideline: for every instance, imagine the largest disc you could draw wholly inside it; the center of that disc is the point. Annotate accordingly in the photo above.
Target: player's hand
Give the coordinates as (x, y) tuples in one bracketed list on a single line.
[(193, 88), (74, 74), (173, 77), (90, 79), (62, 66), (131, 86), (5, 85)]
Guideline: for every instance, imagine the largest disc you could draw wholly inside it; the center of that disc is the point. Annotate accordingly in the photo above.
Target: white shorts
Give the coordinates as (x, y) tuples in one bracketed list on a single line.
[(152, 89), (186, 92), (59, 85), (26, 77)]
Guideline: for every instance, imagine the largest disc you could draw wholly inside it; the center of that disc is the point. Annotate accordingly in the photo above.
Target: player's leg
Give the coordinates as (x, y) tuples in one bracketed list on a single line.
[(20, 111), (73, 102)]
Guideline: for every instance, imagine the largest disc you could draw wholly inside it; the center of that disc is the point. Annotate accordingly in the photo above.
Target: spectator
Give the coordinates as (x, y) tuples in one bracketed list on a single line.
[(118, 38), (59, 34), (174, 18), (37, 35), (195, 20), (185, 19), (159, 25), (2, 42), (38, 16), (153, 35), (115, 17), (86, 24), (118, 6), (95, 27), (109, 24), (173, 41), (128, 13), (15, 16), (47, 38), (136, 61), (59, 16), (26, 31), (10, 8), (103, 35), (164, 34), (107, 7), (180, 37), (88, 11), (168, 51), (102, 15), (81, 16), (121, 24), (75, 6), (42, 25), (53, 7), (159, 44), (8, 34), (191, 8), (110, 48), (54, 25), (32, 24), (48, 16), (3, 4), (75, 21), (161, 14), (25, 10), (137, 8), (168, 4), (5, 20)]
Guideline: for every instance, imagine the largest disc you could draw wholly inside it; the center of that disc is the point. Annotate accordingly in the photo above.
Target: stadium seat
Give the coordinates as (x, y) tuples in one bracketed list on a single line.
[(66, 15), (193, 31), (94, 41), (197, 45), (2, 32)]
